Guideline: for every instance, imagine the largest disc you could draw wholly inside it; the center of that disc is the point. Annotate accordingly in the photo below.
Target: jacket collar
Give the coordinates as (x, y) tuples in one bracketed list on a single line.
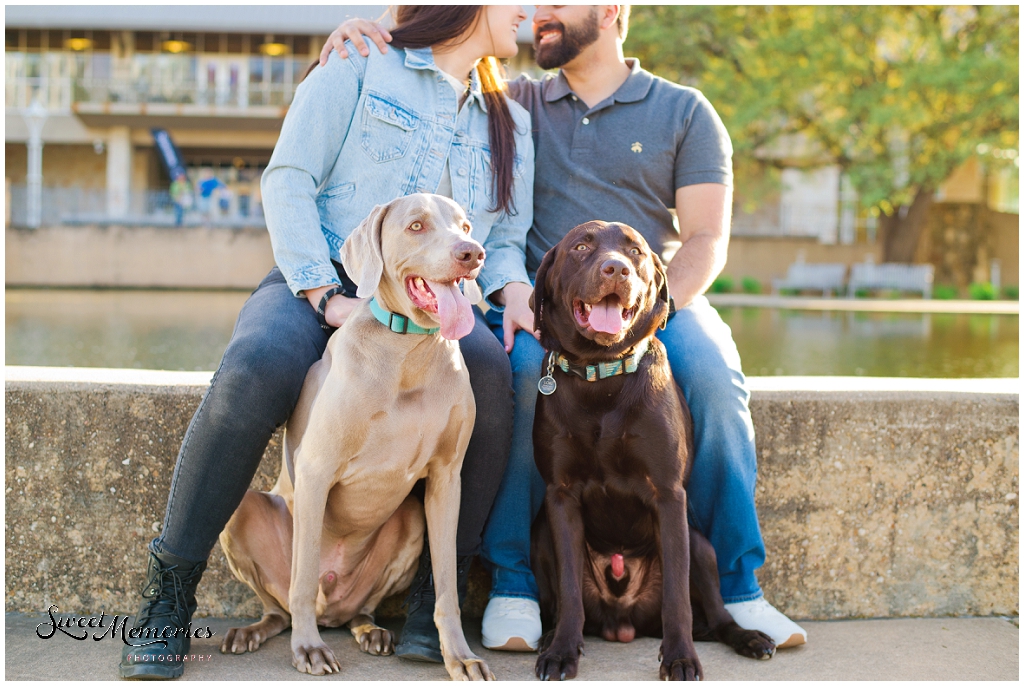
[(633, 89), (423, 58)]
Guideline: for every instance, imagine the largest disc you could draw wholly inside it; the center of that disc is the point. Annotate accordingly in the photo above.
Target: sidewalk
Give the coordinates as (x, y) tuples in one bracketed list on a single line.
[(910, 305), (945, 649)]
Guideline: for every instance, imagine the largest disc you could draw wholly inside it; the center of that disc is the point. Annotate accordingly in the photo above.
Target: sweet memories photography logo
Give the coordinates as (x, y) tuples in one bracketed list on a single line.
[(79, 628)]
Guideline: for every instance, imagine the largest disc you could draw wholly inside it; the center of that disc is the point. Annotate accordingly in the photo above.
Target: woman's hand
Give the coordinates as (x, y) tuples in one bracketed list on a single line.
[(354, 30), (517, 314), (338, 307)]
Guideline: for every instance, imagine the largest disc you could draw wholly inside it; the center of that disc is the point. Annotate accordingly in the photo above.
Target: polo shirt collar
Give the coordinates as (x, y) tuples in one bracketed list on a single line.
[(633, 89), (423, 58)]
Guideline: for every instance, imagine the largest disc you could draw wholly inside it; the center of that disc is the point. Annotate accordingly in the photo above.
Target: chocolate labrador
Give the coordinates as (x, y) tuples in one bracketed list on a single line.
[(613, 440)]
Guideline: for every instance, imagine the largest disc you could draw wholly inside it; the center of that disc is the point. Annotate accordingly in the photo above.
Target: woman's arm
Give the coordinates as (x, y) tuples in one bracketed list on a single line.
[(311, 139), (504, 280)]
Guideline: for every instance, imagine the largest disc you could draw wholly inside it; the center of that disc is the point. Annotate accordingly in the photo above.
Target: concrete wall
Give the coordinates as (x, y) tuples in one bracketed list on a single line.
[(875, 500), (766, 258), (138, 257), (222, 258), (64, 166)]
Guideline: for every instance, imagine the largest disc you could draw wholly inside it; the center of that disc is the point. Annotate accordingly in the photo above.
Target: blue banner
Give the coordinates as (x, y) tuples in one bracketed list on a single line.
[(169, 154)]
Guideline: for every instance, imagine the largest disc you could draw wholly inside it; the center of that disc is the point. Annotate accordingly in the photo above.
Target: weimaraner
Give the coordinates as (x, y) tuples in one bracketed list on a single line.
[(340, 530)]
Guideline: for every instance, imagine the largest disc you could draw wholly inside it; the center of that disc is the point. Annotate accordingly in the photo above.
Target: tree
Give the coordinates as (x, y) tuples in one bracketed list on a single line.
[(898, 97)]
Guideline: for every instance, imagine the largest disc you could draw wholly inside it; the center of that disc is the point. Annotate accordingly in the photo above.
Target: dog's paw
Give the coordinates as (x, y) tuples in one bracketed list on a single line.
[(374, 640), (248, 639), (559, 662), (469, 668), (675, 667), (316, 659), (754, 644), (242, 640)]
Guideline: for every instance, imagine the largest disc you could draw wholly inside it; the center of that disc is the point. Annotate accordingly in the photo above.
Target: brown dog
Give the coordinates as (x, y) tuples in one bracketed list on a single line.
[(382, 409), (615, 556)]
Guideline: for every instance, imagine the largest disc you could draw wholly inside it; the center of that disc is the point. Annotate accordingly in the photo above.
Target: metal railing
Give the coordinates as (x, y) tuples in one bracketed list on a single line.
[(146, 208)]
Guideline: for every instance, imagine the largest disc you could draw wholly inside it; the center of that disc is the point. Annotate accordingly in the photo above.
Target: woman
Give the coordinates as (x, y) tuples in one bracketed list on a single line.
[(428, 117)]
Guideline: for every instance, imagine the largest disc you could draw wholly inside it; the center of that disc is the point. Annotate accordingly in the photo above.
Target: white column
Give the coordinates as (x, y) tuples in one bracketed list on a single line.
[(119, 170), (35, 118)]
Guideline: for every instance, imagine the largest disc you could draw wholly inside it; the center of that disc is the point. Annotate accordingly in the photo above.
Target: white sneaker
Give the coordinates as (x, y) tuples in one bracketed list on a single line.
[(511, 624), (759, 615)]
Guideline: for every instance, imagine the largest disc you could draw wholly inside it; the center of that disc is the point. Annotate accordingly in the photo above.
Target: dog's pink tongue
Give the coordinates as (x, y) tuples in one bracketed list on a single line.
[(453, 309), (606, 316), (618, 566)]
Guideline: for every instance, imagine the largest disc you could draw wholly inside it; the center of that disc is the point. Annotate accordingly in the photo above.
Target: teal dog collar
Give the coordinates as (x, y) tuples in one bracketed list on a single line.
[(396, 322), (591, 372)]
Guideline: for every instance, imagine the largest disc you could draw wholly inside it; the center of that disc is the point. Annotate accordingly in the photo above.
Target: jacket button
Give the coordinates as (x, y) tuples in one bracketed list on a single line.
[(462, 172)]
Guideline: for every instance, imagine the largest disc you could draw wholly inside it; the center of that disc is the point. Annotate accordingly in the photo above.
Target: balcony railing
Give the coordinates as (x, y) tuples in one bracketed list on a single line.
[(145, 208), (59, 81)]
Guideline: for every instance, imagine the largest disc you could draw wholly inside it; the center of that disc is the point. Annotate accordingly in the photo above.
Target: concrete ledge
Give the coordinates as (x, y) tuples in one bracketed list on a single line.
[(137, 257), (877, 497)]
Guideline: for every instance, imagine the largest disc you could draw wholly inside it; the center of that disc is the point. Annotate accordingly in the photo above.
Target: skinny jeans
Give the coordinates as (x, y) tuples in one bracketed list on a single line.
[(276, 340)]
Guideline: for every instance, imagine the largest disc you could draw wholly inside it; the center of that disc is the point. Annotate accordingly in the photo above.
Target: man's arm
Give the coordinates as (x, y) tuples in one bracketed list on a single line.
[(704, 211)]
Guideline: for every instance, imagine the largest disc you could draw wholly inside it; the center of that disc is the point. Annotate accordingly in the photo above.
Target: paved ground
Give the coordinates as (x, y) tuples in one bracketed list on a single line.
[(948, 649)]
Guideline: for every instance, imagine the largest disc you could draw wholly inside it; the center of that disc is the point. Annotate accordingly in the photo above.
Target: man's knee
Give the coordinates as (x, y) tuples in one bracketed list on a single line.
[(527, 359)]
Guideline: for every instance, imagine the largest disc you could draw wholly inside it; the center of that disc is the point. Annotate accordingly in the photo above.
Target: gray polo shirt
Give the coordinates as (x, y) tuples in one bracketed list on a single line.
[(621, 160)]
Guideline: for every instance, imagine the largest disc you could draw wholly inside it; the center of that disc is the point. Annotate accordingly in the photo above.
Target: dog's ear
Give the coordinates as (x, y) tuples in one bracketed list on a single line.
[(540, 286), (361, 253), (661, 283)]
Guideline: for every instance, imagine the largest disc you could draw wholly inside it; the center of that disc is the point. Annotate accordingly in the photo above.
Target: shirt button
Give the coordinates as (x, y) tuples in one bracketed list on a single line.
[(574, 98), (586, 121), (462, 172)]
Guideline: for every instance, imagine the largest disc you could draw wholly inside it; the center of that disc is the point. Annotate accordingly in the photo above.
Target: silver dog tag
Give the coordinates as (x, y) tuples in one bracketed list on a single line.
[(547, 385)]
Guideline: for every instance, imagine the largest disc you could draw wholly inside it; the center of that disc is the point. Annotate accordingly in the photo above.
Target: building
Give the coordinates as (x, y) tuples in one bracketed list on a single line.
[(218, 79)]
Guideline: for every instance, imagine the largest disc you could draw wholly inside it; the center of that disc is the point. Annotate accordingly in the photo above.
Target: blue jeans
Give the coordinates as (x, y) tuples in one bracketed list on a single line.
[(706, 364)]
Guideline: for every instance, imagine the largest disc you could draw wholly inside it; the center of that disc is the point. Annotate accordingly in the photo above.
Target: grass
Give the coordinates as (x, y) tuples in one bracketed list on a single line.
[(982, 291), (723, 284)]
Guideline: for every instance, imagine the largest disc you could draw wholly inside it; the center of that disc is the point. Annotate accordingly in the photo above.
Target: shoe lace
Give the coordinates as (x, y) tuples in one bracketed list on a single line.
[(170, 596), (516, 610)]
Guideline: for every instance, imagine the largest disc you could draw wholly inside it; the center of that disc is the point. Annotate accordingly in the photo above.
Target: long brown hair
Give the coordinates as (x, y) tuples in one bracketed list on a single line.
[(422, 26)]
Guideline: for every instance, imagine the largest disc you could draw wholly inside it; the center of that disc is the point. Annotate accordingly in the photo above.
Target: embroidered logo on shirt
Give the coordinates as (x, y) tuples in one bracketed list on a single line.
[(637, 147)]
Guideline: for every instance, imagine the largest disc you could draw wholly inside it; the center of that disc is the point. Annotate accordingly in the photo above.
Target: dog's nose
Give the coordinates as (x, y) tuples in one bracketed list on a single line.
[(615, 269), (469, 254)]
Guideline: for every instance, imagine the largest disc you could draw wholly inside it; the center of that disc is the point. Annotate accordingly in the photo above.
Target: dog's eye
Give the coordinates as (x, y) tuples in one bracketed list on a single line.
[(582, 246), (416, 226), (635, 251), (466, 228)]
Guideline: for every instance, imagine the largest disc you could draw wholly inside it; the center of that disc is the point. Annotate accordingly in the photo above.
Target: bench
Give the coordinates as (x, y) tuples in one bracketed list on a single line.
[(802, 276), (915, 278)]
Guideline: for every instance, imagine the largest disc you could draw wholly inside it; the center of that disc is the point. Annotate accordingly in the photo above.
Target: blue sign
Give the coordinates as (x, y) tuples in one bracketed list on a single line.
[(169, 154)]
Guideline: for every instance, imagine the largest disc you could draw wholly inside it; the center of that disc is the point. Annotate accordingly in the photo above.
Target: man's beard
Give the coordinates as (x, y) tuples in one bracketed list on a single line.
[(572, 42)]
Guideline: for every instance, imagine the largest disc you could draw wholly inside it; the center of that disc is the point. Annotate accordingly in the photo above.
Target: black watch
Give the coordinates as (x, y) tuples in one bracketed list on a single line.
[(322, 307)]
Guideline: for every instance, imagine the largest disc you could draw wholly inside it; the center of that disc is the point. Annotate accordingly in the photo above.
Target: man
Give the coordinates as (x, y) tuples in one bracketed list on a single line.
[(614, 142)]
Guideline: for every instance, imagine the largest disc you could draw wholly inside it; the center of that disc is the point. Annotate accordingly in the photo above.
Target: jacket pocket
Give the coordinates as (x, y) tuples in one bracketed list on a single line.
[(341, 191), (387, 128)]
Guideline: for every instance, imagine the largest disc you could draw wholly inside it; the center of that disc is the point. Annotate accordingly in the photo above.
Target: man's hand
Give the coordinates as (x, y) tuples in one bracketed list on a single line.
[(338, 307), (515, 296), (354, 30)]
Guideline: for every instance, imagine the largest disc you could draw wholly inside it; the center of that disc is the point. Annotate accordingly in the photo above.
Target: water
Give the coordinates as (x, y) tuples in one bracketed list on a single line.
[(188, 330)]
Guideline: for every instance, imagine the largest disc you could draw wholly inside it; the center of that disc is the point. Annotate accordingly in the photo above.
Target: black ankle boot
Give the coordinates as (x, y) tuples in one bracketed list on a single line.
[(419, 640), (168, 601)]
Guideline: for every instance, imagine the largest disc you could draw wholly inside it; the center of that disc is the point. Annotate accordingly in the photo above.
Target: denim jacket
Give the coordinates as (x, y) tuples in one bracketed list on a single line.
[(365, 130)]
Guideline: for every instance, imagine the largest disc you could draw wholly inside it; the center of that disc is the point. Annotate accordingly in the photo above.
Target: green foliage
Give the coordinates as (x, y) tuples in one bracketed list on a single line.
[(750, 285), (940, 292), (1011, 292), (861, 293), (982, 291), (723, 284), (898, 96)]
